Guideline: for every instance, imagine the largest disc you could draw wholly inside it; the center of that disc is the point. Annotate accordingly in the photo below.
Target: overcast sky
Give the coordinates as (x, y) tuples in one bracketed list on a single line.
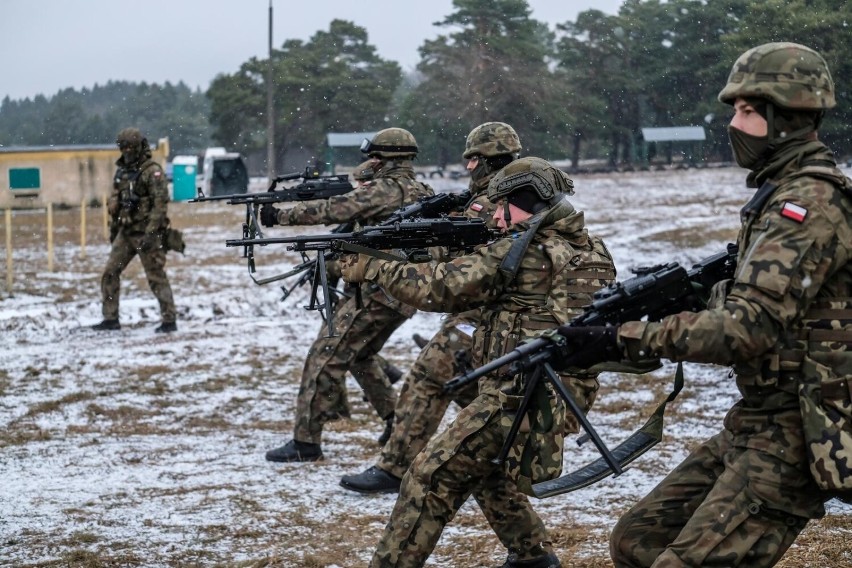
[(48, 45)]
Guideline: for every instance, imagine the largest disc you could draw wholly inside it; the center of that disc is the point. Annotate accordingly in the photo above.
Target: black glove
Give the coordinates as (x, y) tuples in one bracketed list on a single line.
[(113, 232), (268, 215), (151, 242), (581, 347)]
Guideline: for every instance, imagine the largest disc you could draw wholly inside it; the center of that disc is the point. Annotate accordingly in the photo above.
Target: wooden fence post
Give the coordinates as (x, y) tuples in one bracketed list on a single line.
[(50, 237), (9, 250), (83, 229)]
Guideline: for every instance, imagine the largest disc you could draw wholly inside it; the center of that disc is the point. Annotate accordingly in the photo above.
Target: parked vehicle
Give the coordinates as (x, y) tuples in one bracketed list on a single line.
[(222, 173)]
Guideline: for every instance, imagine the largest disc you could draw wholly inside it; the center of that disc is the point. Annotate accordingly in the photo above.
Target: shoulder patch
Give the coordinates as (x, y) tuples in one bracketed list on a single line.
[(795, 212), (158, 173), (476, 207)]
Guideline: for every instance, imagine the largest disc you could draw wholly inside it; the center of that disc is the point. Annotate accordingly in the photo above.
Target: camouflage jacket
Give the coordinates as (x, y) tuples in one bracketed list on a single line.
[(140, 197), (479, 206), (393, 187), (559, 271), (795, 244)]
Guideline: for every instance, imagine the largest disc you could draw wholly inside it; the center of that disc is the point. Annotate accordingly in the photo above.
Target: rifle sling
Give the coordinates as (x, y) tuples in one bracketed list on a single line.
[(637, 444), (512, 261)]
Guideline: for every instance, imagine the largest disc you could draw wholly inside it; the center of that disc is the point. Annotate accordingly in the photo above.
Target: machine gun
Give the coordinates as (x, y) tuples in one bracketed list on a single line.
[(456, 233), (430, 207), (655, 292), (313, 186), (424, 208)]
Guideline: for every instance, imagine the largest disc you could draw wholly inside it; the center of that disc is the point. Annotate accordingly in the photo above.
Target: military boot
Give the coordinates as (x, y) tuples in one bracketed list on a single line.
[(295, 451), (107, 325), (419, 340), (383, 439), (544, 561), (166, 327), (372, 480)]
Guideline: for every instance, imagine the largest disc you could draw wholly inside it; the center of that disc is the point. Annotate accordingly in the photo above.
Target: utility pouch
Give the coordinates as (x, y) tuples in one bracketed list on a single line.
[(825, 392), (536, 455), (825, 399), (173, 240)]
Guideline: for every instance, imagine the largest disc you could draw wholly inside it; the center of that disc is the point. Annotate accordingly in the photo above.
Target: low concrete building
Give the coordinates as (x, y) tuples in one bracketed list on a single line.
[(62, 175)]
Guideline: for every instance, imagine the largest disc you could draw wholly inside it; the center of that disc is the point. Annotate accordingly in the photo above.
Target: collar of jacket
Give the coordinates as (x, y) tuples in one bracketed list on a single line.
[(789, 157)]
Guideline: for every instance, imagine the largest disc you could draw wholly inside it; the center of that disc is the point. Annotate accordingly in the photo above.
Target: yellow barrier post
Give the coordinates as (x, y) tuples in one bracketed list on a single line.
[(50, 237), (9, 250), (83, 229)]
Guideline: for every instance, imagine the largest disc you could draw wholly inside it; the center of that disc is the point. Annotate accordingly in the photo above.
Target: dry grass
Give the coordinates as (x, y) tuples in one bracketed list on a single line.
[(166, 411)]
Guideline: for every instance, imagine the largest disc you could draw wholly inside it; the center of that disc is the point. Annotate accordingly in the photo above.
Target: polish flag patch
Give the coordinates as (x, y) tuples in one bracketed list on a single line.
[(795, 212), (476, 207)]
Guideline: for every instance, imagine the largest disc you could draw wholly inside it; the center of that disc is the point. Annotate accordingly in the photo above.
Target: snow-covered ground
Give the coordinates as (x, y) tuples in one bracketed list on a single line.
[(134, 449)]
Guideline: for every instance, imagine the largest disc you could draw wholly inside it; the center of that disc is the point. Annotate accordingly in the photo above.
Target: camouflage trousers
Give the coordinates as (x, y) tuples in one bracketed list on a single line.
[(422, 402), (359, 335), (124, 248), (722, 506), (454, 465)]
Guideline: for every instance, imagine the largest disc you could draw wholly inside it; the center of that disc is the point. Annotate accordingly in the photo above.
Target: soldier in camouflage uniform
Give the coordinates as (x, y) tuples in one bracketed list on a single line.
[(363, 175), (422, 402), (359, 332), (742, 497), (138, 223), (522, 284)]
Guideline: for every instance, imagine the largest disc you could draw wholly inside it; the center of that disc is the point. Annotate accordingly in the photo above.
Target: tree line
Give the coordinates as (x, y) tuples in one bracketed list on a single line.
[(94, 116), (573, 90)]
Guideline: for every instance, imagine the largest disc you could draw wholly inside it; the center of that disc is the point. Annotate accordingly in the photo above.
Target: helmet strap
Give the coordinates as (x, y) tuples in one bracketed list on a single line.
[(770, 120)]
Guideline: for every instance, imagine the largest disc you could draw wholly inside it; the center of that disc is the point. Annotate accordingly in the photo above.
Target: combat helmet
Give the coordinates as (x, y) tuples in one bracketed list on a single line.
[(134, 147), (129, 137), (491, 139), (788, 75), (532, 176), (391, 143)]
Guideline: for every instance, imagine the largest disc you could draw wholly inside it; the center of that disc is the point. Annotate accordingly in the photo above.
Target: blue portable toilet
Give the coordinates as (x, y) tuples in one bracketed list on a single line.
[(184, 170)]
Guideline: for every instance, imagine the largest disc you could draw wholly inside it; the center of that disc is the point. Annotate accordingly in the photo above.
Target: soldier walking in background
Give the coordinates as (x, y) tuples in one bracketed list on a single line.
[(538, 276), (138, 225), (361, 332)]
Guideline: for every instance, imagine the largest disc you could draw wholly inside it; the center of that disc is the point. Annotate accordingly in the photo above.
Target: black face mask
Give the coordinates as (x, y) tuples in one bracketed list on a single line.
[(480, 171), (131, 155), (748, 149)]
